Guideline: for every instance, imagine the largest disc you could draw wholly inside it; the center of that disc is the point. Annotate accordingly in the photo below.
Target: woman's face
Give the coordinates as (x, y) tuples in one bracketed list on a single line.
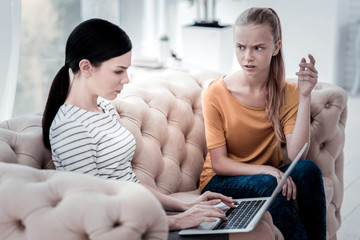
[(254, 48), (109, 78)]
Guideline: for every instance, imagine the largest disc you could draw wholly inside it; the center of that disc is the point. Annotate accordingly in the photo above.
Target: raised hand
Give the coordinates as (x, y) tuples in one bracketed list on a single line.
[(307, 76)]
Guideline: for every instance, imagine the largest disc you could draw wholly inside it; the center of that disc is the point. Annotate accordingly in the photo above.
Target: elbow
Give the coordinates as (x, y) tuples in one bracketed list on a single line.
[(218, 169), (292, 155)]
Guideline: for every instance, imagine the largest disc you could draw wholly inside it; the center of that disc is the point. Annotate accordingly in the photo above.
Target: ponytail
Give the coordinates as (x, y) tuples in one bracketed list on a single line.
[(57, 96)]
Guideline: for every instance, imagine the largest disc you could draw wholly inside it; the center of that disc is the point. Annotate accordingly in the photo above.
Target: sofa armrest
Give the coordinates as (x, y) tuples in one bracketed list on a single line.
[(48, 204), (21, 142), (328, 118)]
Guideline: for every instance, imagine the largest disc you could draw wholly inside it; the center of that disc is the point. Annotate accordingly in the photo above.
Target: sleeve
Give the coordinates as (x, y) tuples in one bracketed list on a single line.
[(291, 106), (72, 148), (214, 123)]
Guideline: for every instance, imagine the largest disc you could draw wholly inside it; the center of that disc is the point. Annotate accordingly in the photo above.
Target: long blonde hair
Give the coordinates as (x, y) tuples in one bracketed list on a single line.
[(276, 80)]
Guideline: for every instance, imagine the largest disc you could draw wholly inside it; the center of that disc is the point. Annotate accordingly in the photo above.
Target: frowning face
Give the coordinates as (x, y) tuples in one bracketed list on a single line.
[(255, 47)]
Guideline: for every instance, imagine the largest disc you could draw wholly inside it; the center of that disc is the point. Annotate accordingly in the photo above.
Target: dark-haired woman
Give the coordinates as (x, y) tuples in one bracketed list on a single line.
[(80, 126)]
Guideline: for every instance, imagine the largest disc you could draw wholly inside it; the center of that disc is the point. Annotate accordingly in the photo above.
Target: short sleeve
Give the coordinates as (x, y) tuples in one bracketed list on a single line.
[(214, 128), (291, 105)]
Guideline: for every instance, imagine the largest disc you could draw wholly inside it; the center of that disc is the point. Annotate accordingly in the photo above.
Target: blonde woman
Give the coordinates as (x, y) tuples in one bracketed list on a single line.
[(249, 114)]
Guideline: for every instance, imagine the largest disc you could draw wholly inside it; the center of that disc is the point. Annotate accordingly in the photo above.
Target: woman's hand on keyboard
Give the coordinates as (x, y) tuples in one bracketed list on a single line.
[(212, 198), (194, 216)]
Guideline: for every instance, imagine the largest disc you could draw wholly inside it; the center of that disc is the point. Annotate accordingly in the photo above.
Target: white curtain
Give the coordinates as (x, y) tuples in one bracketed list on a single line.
[(10, 27)]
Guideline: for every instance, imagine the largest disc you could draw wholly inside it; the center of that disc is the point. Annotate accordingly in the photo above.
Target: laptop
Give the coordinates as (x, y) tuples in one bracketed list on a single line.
[(247, 213)]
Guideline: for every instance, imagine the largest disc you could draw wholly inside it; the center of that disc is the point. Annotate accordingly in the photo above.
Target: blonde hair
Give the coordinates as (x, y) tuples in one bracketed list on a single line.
[(276, 80)]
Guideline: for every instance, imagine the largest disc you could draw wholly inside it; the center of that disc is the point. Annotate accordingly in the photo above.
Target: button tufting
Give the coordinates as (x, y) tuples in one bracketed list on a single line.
[(56, 202), (322, 146), (327, 105), (20, 224)]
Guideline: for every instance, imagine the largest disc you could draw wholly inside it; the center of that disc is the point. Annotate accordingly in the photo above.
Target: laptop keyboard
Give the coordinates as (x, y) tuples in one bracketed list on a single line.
[(241, 216)]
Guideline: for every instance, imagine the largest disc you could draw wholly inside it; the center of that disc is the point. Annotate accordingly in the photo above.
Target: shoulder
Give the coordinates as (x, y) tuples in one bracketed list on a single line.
[(215, 86), (66, 119), (291, 100)]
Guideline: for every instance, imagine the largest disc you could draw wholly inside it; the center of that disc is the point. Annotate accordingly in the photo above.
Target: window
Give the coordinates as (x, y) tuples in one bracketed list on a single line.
[(45, 26)]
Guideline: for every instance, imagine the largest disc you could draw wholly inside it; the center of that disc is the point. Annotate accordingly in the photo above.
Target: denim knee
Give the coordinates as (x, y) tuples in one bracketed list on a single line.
[(307, 171), (261, 185)]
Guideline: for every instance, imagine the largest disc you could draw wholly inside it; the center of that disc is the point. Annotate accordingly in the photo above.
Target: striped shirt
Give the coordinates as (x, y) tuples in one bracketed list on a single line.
[(92, 143)]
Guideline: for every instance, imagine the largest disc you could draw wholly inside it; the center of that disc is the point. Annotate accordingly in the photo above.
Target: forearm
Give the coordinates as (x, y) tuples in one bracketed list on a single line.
[(168, 203), (301, 132), (225, 166)]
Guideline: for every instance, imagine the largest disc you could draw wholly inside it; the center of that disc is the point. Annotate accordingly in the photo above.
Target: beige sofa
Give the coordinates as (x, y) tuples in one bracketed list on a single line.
[(163, 111)]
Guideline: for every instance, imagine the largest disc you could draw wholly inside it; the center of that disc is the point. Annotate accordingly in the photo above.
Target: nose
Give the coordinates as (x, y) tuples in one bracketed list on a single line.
[(249, 54), (125, 79)]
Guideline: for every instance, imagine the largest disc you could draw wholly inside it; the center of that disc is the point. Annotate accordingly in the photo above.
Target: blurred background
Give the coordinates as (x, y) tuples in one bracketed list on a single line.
[(34, 33)]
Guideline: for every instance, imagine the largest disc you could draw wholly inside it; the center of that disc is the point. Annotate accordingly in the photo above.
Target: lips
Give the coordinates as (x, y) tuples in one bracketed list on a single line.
[(249, 66)]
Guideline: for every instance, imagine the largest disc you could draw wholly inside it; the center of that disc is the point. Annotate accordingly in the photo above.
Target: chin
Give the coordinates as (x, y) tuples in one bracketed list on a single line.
[(110, 98)]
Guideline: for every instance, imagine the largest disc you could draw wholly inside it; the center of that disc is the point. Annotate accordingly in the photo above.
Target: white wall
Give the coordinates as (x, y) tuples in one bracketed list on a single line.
[(308, 27)]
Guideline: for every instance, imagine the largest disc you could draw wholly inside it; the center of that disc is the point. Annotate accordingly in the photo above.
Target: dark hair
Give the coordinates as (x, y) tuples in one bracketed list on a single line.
[(96, 40)]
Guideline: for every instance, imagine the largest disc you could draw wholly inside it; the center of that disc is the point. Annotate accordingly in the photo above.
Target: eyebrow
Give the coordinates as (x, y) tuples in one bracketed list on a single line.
[(257, 44), (122, 67)]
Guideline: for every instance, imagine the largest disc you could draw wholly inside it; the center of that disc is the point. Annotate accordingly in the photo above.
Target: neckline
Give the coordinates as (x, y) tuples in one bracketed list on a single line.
[(237, 100), (87, 111)]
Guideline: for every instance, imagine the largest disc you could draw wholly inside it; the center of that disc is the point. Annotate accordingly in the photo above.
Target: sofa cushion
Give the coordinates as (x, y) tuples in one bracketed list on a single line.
[(48, 204)]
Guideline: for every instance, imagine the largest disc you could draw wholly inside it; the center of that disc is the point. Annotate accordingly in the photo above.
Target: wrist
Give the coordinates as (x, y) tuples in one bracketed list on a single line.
[(305, 97), (185, 206), (173, 223)]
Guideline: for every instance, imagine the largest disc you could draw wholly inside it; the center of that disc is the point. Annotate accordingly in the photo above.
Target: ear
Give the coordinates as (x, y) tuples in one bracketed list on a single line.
[(277, 48), (85, 67)]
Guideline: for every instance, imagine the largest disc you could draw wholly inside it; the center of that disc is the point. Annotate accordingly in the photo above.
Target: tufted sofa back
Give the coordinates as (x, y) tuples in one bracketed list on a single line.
[(165, 115)]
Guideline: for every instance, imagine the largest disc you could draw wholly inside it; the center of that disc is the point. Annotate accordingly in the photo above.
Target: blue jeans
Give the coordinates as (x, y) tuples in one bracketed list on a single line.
[(309, 222)]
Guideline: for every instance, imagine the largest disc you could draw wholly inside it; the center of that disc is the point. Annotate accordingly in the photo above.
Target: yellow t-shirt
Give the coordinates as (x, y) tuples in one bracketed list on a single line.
[(246, 131)]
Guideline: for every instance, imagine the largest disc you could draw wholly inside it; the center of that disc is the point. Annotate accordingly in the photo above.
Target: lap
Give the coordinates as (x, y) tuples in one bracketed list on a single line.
[(262, 185)]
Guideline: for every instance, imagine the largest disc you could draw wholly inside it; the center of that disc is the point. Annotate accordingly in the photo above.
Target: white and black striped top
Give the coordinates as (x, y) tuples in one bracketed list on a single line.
[(92, 143)]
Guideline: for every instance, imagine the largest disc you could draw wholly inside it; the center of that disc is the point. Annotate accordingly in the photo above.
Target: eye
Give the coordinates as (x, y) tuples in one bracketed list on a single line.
[(240, 47), (119, 72), (258, 48)]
